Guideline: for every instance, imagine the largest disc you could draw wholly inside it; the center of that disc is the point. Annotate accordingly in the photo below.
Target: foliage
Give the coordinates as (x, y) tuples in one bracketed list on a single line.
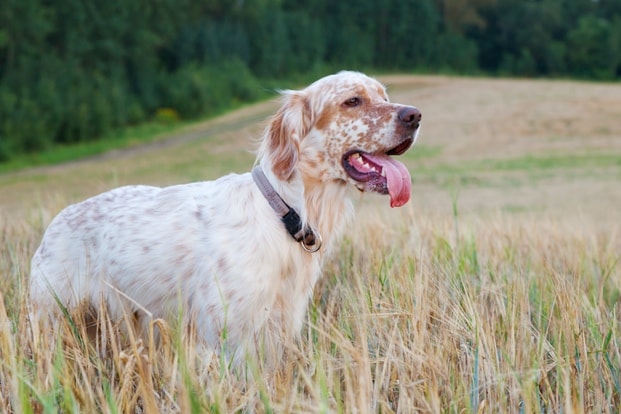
[(74, 71)]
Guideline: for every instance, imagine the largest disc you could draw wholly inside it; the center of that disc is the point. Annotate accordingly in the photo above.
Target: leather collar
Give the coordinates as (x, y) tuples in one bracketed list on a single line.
[(310, 240)]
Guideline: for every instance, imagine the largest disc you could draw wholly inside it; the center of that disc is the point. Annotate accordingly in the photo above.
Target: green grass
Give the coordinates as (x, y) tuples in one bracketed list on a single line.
[(511, 171), (524, 163), (122, 139), (422, 152), (553, 161)]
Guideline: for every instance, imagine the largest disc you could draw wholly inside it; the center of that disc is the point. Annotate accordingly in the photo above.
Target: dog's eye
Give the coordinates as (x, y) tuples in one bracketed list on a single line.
[(352, 102)]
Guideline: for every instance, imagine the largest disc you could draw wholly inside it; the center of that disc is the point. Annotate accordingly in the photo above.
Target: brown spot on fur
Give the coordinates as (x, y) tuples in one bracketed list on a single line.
[(290, 124), (222, 264), (325, 118)]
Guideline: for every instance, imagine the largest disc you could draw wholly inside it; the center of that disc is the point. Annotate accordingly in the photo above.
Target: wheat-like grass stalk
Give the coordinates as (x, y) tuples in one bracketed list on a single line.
[(506, 314)]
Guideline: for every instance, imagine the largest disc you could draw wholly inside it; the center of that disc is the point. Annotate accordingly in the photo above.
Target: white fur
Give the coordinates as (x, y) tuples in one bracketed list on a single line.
[(216, 250)]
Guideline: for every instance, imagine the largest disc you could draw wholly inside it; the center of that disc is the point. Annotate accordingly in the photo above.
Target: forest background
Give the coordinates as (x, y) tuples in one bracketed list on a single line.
[(73, 70)]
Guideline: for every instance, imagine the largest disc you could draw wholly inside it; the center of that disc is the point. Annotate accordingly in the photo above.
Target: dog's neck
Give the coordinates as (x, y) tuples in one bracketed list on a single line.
[(329, 209), (310, 239), (324, 206)]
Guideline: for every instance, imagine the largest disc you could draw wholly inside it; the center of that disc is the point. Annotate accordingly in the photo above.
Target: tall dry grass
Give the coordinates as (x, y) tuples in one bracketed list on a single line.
[(416, 313)]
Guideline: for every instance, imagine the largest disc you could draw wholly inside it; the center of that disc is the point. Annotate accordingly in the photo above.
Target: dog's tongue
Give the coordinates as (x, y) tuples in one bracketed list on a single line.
[(397, 179)]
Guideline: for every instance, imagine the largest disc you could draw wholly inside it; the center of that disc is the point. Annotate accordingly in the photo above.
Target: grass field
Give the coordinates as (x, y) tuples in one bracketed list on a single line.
[(496, 289)]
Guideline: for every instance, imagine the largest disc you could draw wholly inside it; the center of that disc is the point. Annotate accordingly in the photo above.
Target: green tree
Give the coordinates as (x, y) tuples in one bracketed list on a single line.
[(407, 34), (591, 49), (72, 70)]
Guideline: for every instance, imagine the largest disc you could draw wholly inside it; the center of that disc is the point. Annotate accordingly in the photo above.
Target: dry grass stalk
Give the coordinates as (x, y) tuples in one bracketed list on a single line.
[(511, 316)]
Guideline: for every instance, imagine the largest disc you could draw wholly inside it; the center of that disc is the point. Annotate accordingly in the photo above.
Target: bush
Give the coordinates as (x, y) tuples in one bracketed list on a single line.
[(205, 90), (591, 51), (455, 53), (166, 116), (26, 126)]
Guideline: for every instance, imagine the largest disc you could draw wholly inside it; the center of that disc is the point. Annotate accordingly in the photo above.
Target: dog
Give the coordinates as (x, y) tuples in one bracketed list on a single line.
[(239, 256)]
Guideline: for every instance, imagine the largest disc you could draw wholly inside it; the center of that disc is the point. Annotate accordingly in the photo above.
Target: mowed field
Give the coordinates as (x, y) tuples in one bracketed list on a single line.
[(497, 288)]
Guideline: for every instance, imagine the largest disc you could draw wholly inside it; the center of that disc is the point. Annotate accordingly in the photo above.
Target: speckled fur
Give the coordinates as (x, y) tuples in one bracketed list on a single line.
[(216, 250)]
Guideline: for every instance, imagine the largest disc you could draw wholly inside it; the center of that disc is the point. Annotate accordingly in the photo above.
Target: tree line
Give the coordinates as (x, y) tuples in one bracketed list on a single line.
[(74, 70)]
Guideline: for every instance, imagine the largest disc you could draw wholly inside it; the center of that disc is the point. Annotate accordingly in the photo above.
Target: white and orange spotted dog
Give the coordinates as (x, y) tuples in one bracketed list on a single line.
[(241, 254)]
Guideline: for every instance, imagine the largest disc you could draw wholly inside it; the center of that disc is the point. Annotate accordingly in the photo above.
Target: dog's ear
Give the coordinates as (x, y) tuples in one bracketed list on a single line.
[(288, 127)]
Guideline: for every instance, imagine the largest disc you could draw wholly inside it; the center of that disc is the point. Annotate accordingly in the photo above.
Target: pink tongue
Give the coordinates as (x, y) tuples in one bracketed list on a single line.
[(397, 178)]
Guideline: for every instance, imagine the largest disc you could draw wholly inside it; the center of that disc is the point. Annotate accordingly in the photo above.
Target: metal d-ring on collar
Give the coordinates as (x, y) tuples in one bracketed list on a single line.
[(310, 240)]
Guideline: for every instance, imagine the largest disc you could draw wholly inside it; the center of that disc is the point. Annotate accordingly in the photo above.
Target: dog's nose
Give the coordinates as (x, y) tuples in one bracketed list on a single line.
[(410, 117)]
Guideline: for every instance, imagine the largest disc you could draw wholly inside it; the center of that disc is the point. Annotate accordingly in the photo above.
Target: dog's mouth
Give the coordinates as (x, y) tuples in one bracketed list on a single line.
[(380, 173)]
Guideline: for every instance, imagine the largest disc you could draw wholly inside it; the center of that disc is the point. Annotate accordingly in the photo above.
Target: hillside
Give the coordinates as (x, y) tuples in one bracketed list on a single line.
[(523, 146)]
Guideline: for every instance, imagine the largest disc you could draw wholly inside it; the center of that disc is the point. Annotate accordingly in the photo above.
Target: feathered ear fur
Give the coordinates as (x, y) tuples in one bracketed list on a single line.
[(281, 143)]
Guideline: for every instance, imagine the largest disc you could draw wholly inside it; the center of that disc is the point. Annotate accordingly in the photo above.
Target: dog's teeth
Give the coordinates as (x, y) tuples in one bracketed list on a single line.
[(383, 173)]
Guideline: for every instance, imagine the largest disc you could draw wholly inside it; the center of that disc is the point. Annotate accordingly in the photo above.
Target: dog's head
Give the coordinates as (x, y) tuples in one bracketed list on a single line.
[(343, 128)]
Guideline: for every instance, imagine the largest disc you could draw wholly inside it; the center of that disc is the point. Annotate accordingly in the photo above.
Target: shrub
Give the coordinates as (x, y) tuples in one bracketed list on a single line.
[(205, 90), (166, 116)]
